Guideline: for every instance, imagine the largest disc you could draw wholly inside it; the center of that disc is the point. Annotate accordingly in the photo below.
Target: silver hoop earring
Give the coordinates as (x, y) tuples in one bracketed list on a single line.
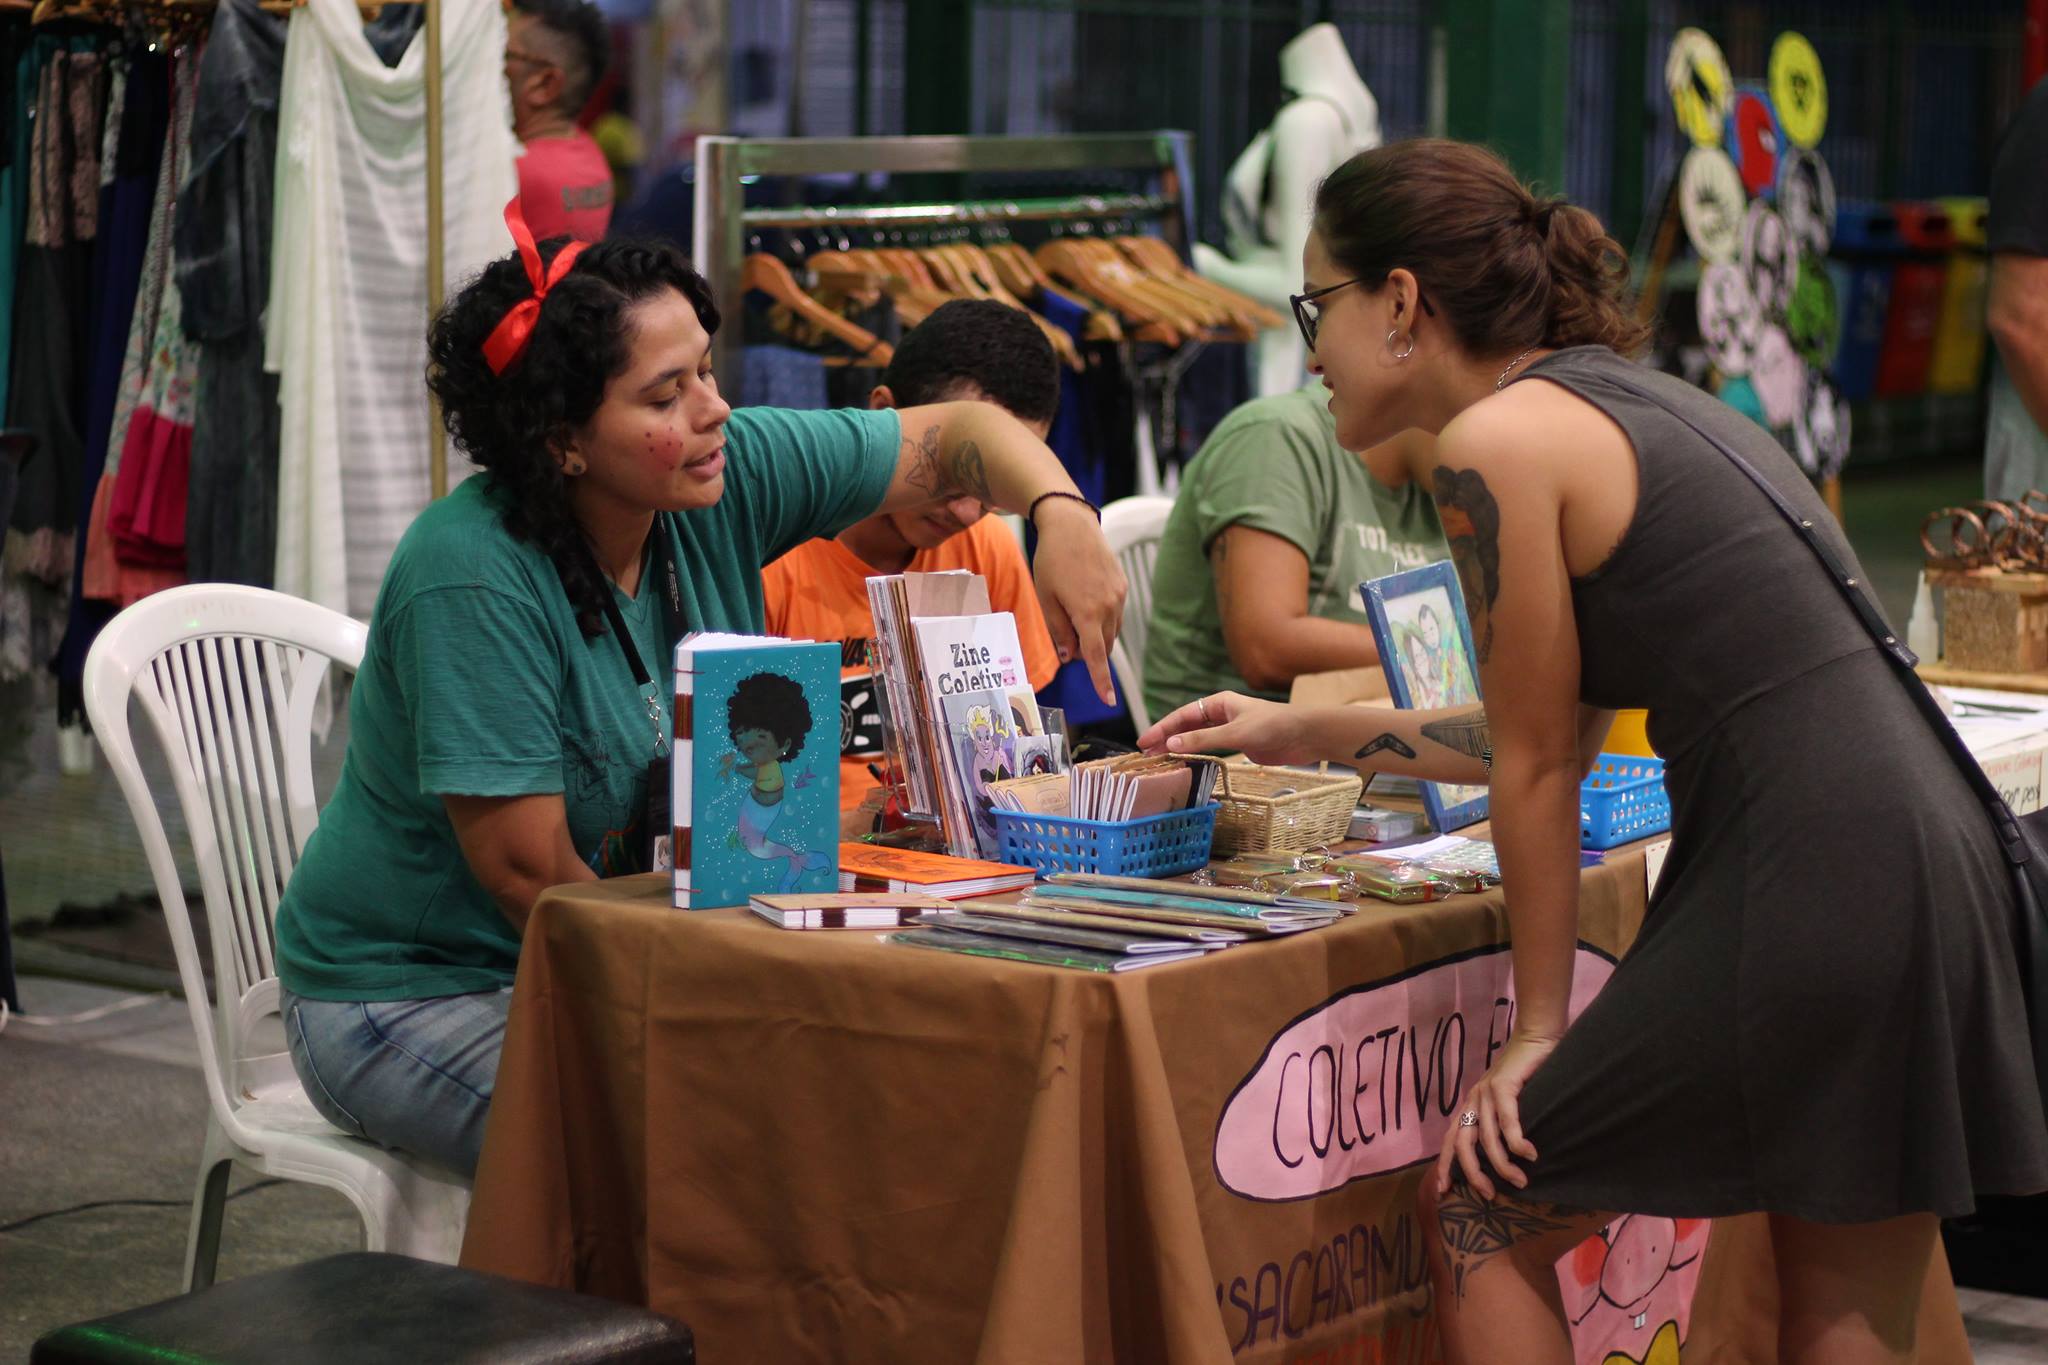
[(1407, 351)]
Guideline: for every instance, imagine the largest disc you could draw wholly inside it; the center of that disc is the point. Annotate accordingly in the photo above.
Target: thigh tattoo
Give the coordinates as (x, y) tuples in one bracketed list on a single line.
[(1476, 1231)]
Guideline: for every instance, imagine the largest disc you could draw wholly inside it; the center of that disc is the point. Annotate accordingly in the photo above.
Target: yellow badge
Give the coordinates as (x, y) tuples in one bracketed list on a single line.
[(1697, 75), (1798, 89)]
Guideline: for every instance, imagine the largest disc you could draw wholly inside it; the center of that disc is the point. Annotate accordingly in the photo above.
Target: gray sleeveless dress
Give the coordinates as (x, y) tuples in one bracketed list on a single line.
[(1822, 1016)]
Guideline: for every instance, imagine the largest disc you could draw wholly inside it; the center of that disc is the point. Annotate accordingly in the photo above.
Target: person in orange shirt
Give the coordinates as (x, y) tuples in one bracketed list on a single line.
[(970, 349)]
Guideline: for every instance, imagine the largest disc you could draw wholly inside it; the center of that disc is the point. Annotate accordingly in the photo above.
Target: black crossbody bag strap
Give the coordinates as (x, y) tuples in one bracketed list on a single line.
[(1854, 591), (2029, 926)]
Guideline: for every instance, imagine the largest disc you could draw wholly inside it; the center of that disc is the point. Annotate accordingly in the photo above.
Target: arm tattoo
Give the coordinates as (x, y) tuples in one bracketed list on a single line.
[(923, 454), (1471, 520), (1467, 734), (1476, 1231), (939, 472), (967, 472), (1386, 741)]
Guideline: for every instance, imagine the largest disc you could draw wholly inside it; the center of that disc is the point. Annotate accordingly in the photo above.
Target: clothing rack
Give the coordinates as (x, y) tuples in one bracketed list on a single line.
[(724, 223), (44, 10)]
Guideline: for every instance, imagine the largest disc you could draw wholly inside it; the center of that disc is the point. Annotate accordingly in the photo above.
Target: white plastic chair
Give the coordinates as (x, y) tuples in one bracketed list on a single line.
[(229, 676), (1133, 527)]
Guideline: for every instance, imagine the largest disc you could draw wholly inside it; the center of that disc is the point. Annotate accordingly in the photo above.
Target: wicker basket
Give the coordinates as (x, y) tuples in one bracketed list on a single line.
[(1282, 809)]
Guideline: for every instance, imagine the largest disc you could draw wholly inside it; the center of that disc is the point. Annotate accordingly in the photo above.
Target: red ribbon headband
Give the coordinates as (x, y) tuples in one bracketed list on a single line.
[(507, 341)]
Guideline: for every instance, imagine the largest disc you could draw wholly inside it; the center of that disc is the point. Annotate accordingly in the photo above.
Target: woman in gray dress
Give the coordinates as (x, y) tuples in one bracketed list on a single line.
[(1822, 1018)]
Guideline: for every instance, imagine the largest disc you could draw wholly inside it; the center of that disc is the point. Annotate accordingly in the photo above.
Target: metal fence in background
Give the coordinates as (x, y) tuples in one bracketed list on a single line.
[(1917, 91)]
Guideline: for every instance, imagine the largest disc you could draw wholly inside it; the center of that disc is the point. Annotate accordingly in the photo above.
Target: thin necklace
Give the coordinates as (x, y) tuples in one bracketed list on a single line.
[(1502, 382)]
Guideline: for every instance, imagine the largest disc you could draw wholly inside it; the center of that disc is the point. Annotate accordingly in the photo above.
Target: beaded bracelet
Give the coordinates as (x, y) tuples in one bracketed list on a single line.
[(1031, 513)]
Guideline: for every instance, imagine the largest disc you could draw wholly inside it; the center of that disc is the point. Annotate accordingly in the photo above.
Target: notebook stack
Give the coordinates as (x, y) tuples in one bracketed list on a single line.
[(875, 869), (868, 911), (1119, 924)]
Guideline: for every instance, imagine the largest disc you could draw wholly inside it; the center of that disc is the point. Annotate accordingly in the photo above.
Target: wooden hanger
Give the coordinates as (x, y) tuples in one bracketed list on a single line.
[(1201, 314), (767, 275), (1066, 263), (1222, 321), (1114, 282), (1155, 256), (1021, 272)]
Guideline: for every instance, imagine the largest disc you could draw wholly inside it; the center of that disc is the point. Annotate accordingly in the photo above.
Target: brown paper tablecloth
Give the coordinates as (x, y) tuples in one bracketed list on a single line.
[(823, 1147)]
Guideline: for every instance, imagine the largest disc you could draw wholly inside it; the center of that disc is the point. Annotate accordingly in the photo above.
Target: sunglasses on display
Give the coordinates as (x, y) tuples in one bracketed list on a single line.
[(1308, 314)]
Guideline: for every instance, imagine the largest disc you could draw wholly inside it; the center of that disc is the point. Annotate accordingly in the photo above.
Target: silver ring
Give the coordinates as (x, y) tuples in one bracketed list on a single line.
[(1469, 1119), (1202, 704)]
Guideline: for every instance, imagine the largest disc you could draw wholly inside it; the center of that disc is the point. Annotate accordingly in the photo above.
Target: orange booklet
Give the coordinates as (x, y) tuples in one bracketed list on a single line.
[(872, 867)]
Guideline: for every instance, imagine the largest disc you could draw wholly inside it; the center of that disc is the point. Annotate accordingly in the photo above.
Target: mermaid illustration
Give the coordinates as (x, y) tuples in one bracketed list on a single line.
[(768, 718)]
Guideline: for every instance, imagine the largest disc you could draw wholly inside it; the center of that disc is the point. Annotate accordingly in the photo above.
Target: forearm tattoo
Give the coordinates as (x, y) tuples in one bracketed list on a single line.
[(1471, 520), (1475, 1231), (1387, 741), (941, 472), (1467, 734)]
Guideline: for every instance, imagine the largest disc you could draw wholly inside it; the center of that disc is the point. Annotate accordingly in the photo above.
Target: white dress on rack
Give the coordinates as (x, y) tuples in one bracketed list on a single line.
[(347, 320)]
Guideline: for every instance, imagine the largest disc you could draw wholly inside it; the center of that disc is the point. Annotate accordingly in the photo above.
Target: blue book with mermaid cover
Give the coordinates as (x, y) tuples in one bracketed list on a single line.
[(754, 769)]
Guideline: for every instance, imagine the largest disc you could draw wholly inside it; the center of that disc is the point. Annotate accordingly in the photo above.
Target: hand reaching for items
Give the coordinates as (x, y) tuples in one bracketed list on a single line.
[(1491, 1120), (1080, 586), (1264, 731)]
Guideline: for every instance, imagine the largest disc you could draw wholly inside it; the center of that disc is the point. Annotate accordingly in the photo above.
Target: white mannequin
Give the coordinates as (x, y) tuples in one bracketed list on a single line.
[(1330, 116)]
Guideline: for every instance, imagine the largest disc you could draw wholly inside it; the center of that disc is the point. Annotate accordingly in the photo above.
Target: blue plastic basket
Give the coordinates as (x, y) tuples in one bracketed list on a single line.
[(1621, 800), (1156, 846)]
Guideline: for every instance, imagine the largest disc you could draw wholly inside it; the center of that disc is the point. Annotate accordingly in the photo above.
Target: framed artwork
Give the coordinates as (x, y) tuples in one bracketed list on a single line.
[(1425, 642)]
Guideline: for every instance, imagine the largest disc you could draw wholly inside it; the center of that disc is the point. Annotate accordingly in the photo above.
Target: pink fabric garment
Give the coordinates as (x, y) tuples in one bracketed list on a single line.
[(147, 519), (107, 579)]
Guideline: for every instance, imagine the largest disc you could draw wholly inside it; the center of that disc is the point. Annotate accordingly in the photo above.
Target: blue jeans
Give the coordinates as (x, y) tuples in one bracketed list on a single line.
[(415, 1075)]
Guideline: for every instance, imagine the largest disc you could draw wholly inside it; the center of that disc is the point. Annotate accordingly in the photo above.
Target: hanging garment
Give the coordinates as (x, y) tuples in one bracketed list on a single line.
[(346, 329), (146, 514), (47, 363), (17, 88), (138, 119), (47, 394), (220, 240), (146, 369)]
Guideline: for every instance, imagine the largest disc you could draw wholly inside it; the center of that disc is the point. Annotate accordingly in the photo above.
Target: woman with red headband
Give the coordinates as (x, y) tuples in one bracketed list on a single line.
[(507, 722)]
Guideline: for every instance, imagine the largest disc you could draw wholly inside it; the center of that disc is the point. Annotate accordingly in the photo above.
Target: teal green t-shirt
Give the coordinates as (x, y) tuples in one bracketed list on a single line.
[(477, 681), (1274, 465)]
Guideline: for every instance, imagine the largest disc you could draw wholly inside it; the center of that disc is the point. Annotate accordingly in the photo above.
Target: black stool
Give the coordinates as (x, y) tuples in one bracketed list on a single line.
[(368, 1308)]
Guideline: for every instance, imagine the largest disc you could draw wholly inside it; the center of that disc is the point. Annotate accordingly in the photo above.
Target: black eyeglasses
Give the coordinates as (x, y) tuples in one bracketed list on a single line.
[(1308, 316)]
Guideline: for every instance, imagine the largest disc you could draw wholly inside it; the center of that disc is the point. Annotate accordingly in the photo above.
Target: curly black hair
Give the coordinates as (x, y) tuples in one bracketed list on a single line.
[(991, 345), (771, 702), (510, 424)]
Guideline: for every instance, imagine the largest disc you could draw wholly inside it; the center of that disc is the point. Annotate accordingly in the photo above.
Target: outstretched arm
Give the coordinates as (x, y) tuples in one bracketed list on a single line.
[(979, 450)]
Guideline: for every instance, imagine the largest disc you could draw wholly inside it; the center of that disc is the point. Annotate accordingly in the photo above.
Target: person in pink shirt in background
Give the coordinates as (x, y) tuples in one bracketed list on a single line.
[(555, 53)]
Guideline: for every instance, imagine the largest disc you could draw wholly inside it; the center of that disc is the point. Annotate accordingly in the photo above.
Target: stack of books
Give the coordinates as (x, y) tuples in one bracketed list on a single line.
[(961, 705), (1119, 924), (872, 911), (874, 869)]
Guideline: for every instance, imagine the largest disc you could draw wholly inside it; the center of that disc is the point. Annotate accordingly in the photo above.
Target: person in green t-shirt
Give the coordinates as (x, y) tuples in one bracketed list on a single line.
[(516, 682), (1274, 528)]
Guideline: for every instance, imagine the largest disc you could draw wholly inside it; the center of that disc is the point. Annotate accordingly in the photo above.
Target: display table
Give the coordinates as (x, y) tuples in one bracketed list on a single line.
[(1941, 675), (824, 1147)]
